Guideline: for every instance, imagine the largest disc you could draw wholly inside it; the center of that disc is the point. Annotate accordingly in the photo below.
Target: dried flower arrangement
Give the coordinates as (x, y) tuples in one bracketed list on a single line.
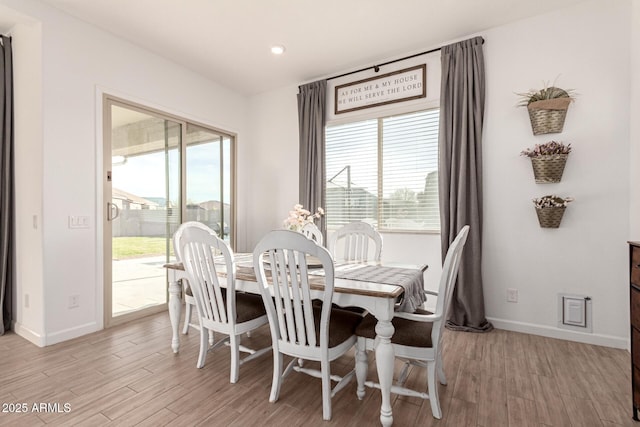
[(547, 149), (551, 201)]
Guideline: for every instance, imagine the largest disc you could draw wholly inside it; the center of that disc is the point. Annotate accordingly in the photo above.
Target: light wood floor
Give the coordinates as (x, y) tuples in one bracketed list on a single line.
[(128, 375)]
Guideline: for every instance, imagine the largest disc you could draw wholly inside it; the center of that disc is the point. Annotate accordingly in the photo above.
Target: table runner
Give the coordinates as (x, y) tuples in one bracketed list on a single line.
[(411, 279)]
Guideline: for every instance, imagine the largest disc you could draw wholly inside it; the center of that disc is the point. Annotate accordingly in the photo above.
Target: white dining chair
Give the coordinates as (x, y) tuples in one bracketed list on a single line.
[(313, 232), (417, 337), (352, 242), (221, 309), (187, 295), (300, 328)]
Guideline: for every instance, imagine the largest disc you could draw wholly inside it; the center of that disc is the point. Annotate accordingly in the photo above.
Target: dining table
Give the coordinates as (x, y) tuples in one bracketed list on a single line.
[(379, 287)]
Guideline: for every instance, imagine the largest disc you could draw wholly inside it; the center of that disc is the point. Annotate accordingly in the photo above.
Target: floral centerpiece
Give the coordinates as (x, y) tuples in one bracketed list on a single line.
[(299, 217), (548, 161), (550, 210)]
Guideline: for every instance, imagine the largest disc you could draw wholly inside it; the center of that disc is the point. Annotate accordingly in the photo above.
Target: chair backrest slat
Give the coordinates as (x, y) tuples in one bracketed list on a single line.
[(313, 232), (364, 242), (202, 254), (297, 297), (177, 236), (287, 288), (291, 308), (276, 258), (354, 240)]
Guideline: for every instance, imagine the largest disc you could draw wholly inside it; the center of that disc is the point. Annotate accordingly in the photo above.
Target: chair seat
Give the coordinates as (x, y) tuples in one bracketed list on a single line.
[(342, 325), (407, 332), (248, 307), (357, 310)]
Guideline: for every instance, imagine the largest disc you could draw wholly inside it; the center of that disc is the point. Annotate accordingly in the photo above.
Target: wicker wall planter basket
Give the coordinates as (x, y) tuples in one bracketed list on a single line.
[(547, 116), (548, 169), (550, 217)]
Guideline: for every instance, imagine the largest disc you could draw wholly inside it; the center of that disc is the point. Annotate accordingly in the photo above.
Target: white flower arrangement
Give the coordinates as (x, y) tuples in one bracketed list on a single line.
[(551, 201), (299, 217)]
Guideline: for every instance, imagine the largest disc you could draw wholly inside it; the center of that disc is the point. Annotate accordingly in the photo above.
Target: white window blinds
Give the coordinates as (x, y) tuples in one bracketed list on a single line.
[(384, 171)]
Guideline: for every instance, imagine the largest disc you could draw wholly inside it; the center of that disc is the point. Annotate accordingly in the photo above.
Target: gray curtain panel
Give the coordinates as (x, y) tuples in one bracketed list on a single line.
[(460, 175), (7, 266), (312, 100)]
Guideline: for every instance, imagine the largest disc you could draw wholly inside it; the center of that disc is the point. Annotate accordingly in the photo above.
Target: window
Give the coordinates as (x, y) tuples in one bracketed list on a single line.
[(384, 171)]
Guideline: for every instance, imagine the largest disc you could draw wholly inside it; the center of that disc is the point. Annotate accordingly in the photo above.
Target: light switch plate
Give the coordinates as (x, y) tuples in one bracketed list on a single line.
[(78, 221)]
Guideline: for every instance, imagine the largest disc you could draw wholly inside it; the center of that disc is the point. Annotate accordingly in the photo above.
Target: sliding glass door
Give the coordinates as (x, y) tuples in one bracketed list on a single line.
[(159, 171), (208, 179)]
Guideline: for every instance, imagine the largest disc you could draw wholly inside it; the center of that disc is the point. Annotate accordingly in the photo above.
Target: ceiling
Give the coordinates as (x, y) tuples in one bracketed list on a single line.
[(228, 41)]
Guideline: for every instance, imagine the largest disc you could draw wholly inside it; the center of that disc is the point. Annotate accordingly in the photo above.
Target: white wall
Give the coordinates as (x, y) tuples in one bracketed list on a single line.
[(27, 64), (77, 62), (588, 254), (273, 162), (634, 130)]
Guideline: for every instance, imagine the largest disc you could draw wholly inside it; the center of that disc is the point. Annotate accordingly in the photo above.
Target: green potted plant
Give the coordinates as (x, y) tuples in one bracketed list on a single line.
[(548, 161), (550, 210), (547, 108)]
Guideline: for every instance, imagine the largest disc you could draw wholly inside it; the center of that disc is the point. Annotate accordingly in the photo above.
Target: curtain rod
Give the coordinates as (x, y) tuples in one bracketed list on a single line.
[(376, 68)]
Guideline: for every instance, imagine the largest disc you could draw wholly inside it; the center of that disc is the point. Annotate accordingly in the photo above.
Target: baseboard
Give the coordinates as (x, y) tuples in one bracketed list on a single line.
[(28, 334), (563, 334), (56, 337), (75, 332)]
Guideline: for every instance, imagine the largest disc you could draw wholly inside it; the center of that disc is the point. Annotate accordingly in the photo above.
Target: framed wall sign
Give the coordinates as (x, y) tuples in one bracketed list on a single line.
[(398, 86)]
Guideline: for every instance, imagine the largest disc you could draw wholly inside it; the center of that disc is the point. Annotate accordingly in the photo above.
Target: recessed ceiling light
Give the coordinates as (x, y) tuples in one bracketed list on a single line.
[(277, 49)]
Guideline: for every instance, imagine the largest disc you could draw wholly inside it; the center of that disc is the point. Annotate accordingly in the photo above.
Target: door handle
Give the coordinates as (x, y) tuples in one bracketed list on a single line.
[(113, 211)]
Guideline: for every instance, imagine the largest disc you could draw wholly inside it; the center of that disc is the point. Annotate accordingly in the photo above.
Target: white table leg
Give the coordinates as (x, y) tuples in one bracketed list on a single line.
[(362, 366), (384, 362), (175, 306)]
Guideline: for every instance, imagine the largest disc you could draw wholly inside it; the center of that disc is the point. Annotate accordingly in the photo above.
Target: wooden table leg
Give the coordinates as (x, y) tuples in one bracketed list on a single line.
[(384, 363)]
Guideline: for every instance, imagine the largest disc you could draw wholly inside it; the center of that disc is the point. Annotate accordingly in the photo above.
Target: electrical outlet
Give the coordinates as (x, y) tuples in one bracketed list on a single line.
[(74, 301), (512, 295)]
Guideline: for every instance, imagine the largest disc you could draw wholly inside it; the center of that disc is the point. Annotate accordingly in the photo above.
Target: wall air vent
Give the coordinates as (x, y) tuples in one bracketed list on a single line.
[(574, 312)]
